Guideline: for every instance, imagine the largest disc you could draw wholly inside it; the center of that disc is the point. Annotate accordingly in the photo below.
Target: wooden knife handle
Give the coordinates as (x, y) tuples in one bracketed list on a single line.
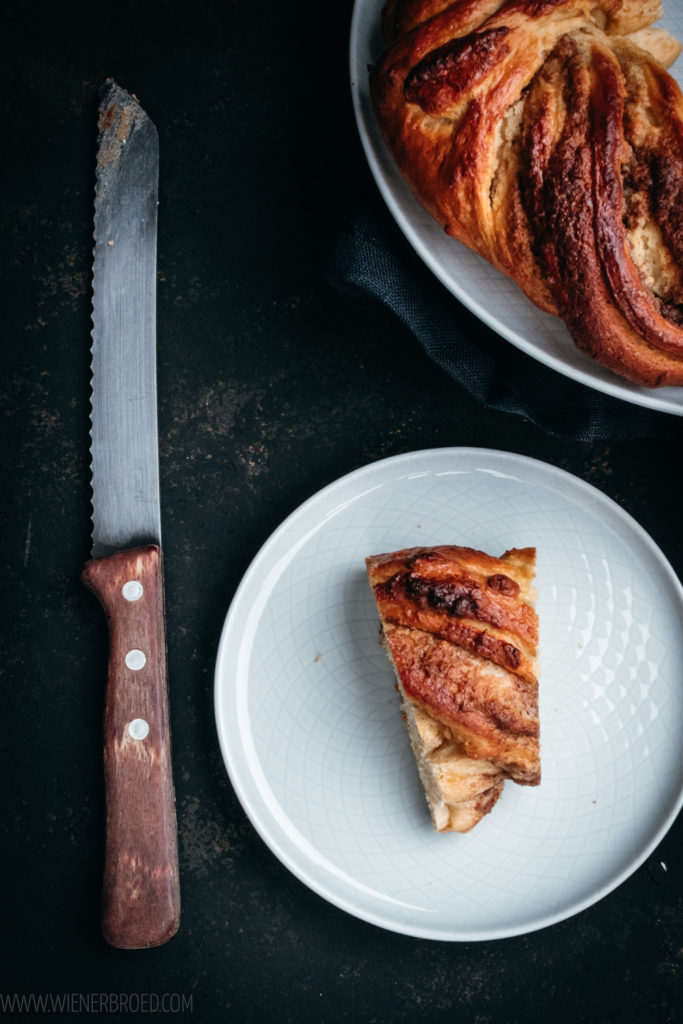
[(141, 896)]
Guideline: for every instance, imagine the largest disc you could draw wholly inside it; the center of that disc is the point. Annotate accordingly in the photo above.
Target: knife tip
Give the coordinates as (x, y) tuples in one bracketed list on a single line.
[(113, 99), (120, 116)]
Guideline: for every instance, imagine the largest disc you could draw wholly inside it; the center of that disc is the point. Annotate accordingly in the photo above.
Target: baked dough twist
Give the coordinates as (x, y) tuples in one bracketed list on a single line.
[(547, 136), (461, 631)]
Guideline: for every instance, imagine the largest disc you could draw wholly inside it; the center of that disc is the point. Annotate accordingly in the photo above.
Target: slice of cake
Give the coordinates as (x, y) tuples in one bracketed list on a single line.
[(461, 631)]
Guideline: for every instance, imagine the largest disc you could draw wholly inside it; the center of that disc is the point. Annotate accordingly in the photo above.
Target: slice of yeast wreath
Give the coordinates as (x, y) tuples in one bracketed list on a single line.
[(461, 630)]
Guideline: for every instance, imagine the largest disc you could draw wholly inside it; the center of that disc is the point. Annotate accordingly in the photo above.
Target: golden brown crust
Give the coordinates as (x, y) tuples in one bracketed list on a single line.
[(460, 595), (491, 713), (462, 632), (541, 136)]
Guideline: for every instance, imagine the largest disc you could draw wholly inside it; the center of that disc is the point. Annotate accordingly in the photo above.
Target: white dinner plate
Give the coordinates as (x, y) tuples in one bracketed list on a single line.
[(491, 296), (311, 732)]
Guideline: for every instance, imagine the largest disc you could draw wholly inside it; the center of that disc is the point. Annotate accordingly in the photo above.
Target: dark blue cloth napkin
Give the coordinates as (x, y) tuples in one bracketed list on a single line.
[(371, 256)]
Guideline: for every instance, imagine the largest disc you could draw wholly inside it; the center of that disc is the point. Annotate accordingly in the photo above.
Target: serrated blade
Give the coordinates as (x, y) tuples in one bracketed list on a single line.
[(124, 437)]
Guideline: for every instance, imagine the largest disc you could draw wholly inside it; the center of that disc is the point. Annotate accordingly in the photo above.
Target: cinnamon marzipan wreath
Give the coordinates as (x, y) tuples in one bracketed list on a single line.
[(547, 136)]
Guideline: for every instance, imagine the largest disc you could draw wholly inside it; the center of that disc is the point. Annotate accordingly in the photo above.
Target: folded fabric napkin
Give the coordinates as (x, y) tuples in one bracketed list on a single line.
[(370, 255)]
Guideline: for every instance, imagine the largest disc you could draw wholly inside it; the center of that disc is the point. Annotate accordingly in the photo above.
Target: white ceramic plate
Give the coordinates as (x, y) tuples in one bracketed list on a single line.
[(309, 722), (490, 295)]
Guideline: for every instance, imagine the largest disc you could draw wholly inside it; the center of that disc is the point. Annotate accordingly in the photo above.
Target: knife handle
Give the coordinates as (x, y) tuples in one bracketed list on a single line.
[(141, 896)]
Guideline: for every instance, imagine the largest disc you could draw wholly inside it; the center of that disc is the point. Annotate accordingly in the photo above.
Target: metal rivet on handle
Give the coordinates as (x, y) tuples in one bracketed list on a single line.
[(138, 728), (136, 660), (132, 590)]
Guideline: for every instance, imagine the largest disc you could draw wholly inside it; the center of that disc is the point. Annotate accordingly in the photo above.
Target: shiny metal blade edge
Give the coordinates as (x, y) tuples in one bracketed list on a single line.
[(124, 434)]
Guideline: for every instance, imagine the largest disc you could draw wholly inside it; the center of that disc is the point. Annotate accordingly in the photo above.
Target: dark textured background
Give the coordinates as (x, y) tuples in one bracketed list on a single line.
[(272, 383)]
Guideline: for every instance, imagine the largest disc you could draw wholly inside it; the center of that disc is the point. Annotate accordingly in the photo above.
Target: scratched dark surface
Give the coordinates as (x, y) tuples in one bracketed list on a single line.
[(272, 383)]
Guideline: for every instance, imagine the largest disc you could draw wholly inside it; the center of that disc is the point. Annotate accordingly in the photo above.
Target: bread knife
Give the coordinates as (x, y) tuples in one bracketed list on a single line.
[(141, 900)]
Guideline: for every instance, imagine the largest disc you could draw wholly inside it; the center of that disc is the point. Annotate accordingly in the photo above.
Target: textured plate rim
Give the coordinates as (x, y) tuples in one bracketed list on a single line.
[(400, 202), (261, 823)]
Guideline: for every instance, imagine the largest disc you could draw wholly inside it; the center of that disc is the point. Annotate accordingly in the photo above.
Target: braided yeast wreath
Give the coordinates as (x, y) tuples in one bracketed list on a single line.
[(547, 136)]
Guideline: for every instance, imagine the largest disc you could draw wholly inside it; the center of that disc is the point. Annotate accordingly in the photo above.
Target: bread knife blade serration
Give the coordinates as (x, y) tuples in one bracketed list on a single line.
[(141, 901)]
